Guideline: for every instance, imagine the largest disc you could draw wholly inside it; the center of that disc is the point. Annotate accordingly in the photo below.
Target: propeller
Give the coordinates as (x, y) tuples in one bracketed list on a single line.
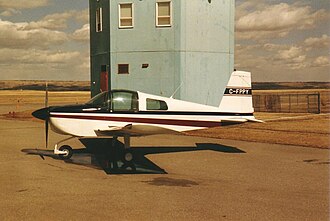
[(47, 118), (43, 114), (46, 131)]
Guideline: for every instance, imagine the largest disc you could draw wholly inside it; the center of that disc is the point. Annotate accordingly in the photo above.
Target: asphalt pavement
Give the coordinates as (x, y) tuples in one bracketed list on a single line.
[(177, 178)]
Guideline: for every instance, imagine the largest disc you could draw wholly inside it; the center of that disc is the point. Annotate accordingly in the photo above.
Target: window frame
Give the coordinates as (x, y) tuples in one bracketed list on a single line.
[(134, 99), (120, 18), (162, 105), (123, 72), (170, 16), (103, 97), (99, 19)]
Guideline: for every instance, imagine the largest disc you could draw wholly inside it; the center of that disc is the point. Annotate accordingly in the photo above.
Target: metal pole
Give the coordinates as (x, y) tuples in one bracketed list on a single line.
[(289, 103), (319, 102)]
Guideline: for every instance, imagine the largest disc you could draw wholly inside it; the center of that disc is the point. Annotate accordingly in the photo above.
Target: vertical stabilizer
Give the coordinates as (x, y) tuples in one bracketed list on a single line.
[(238, 94)]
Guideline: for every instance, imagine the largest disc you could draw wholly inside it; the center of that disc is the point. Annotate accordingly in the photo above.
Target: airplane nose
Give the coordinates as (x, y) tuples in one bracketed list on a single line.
[(42, 114)]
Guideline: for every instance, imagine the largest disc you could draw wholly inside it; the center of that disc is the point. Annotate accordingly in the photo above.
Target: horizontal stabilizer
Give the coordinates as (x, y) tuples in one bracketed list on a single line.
[(239, 120), (256, 120), (233, 120)]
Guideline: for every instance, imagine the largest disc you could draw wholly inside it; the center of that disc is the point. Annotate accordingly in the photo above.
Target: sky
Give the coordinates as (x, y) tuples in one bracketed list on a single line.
[(275, 40)]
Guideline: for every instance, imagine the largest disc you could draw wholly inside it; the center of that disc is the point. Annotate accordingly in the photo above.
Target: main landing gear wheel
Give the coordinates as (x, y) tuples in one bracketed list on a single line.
[(129, 167), (128, 161), (68, 152), (128, 156)]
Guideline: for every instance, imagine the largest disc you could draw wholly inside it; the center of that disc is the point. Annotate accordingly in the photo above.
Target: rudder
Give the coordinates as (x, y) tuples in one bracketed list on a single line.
[(237, 97)]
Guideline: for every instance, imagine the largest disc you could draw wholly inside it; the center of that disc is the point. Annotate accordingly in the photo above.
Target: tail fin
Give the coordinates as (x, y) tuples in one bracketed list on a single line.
[(238, 94)]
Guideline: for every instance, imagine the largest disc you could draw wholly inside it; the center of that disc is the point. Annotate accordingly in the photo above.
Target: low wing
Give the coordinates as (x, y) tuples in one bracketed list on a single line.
[(134, 130), (239, 120)]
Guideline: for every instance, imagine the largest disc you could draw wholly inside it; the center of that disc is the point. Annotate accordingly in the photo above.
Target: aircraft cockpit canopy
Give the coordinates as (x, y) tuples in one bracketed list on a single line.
[(116, 100)]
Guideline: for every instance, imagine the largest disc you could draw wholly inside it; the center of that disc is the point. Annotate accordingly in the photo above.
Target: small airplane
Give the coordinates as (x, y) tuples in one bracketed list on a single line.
[(125, 113)]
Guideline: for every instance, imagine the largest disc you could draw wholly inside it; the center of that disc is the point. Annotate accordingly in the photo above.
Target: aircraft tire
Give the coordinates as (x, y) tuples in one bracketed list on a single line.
[(128, 156), (129, 167), (68, 150)]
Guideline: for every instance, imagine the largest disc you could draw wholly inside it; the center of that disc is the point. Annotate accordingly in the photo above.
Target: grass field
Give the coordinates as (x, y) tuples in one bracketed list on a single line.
[(310, 130), (85, 85), (41, 85), (298, 99), (22, 98)]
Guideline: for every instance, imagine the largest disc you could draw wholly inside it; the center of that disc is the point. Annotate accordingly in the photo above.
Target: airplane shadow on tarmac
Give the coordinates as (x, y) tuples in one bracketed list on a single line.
[(98, 155)]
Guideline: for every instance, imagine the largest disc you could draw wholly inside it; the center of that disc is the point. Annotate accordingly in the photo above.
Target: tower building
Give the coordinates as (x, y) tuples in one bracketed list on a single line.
[(163, 47)]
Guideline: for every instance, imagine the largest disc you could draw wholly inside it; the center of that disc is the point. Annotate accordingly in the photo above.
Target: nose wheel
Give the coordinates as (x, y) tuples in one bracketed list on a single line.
[(67, 150), (64, 152)]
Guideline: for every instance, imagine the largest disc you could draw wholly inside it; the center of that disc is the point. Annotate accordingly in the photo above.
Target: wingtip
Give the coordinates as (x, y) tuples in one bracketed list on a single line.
[(256, 120)]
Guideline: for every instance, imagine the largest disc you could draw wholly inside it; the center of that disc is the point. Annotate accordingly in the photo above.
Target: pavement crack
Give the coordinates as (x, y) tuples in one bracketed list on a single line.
[(22, 190)]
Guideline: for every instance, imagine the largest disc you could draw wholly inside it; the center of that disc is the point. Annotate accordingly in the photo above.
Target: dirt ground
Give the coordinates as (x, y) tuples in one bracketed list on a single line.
[(201, 179), (324, 98), (290, 129), (19, 98)]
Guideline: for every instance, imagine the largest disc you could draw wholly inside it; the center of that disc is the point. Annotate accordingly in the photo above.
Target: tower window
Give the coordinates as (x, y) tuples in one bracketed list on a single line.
[(164, 14), (126, 14), (123, 68), (99, 20)]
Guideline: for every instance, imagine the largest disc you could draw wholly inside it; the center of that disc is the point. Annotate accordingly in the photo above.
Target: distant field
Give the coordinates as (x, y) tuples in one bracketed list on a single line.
[(21, 97), (289, 85), (85, 85), (41, 85), (298, 102)]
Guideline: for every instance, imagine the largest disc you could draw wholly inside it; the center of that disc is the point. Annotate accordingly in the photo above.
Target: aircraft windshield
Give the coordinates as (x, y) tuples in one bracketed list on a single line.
[(124, 101), (116, 100), (100, 99)]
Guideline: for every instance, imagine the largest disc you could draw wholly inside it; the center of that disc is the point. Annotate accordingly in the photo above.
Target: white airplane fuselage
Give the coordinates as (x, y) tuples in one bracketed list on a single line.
[(85, 121), (134, 113), (124, 113)]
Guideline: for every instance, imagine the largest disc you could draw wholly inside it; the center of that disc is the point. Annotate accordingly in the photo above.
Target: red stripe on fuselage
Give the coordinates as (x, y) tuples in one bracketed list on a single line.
[(190, 123)]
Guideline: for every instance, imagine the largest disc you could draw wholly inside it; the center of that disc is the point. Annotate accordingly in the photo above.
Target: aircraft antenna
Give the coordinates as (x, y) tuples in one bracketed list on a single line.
[(177, 89), (46, 94)]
